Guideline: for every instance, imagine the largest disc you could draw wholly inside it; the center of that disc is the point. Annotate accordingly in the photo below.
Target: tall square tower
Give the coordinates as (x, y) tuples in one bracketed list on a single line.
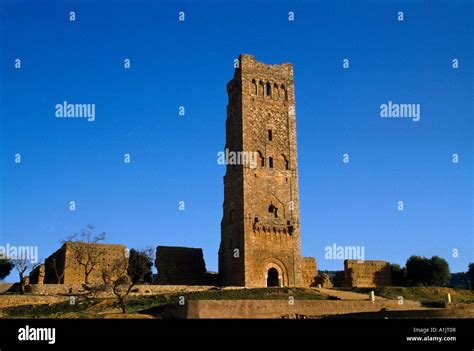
[(260, 227)]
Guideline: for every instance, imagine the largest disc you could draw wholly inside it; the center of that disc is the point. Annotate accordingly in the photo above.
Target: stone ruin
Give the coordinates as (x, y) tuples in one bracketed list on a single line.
[(366, 274), (180, 266), (62, 267), (324, 281)]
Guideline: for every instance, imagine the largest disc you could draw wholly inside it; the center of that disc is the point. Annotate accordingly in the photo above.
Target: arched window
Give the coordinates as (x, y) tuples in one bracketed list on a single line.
[(273, 210), (261, 158), (283, 162), (283, 92), (270, 135), (254, 87), (261, 89), (276, 92), (270, 162), (268, 89)]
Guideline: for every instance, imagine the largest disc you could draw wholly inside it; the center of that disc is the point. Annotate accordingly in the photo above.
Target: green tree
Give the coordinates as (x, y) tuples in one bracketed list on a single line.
[(5, 268), (432, 271), (418, 270), (470, 273), (398, 275), (440, 273)]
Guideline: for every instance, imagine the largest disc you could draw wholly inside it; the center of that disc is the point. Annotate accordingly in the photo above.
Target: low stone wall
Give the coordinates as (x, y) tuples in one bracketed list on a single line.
[(281, 308), (71, 289)]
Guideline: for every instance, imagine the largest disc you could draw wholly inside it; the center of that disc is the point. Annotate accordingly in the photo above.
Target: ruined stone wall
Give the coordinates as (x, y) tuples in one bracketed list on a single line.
[(70, 271), (309, 271), (37, 275), (366, 274), (261, 203), (180, 266)]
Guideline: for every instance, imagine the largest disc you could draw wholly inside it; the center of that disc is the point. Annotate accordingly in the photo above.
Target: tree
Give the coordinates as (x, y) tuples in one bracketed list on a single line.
[(85, 249), (418, 270), (139, 265), (59, 274), (398, 275), (470, 272), (116, 275), (22, 265), (6, 267), (425, 271), (440, 273)]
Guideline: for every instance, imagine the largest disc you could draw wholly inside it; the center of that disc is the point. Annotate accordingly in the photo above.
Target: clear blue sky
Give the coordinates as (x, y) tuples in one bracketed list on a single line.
[(174, 158)]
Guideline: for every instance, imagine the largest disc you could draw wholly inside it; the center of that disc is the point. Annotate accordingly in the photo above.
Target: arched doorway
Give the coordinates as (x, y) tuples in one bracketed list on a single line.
[(273, 278)]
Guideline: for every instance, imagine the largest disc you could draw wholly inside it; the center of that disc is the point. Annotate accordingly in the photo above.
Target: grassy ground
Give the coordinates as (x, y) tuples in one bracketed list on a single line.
[(52, 310), (151, 304)]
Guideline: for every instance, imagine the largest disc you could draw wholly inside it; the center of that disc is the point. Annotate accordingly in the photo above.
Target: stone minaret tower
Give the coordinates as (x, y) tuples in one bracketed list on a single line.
[(260, 228)]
